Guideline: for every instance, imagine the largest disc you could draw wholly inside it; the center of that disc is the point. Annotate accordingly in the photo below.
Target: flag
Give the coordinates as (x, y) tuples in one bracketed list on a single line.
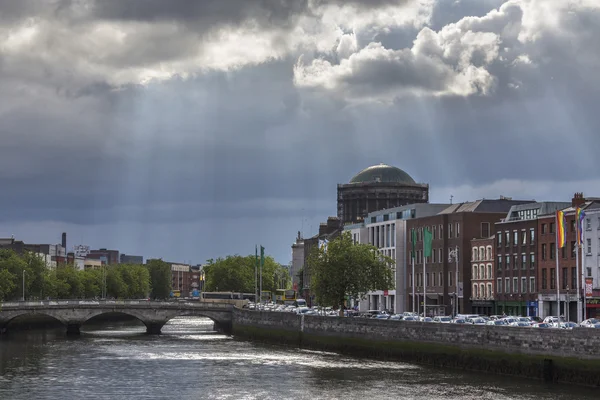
[(561, 232), (413, 242), (262, 256), (427, 237), (580, 216)]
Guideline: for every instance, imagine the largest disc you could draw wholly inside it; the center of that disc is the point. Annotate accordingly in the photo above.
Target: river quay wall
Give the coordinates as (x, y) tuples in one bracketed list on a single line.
[(552, 355)]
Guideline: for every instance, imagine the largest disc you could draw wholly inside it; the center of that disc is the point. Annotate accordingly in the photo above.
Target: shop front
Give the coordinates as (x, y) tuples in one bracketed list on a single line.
[(482, 307), (513, 308), (592, 307)]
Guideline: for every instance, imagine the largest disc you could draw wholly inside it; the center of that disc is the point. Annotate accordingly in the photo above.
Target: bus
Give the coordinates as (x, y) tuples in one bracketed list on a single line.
[(238, 299), (285, 296), (266, 296)]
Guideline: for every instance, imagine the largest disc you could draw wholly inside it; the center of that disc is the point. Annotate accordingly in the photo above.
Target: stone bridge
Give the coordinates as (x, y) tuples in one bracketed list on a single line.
[(154, 314)]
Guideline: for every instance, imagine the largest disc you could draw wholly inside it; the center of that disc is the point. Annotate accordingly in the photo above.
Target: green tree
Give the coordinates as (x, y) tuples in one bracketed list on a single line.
[(6, 283), (91, 279), (236, 274), (69, 283), (300, 279), (136, 279), (35, 274), (345, 269), (159, 279)]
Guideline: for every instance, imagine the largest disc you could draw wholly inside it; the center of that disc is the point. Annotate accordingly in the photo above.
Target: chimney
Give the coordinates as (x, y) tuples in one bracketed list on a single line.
[(577, 199), (64, 240)]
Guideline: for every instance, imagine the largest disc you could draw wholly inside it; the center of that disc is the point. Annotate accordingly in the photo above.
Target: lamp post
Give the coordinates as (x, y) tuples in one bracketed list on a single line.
[(567, 303), (454, 254), (23, 298)]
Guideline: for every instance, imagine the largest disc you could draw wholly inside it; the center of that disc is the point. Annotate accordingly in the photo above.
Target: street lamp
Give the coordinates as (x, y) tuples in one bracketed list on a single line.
[(454, 254), (23, 298), (567, 304)]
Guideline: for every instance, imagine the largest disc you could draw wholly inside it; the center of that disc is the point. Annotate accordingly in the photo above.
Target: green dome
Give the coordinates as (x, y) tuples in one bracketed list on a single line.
[(382, 173)]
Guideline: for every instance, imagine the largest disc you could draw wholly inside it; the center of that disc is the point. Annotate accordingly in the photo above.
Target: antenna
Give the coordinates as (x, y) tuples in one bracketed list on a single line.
[(451, 197)]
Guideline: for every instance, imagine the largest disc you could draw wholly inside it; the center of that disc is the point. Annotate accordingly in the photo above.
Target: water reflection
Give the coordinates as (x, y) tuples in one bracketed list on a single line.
[(191, 361)]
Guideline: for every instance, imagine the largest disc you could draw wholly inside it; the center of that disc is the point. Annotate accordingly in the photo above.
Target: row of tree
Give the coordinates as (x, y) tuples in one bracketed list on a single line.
[(123, 281)]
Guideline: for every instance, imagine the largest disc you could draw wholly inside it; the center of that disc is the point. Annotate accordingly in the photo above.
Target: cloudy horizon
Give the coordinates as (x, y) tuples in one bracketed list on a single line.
[(192, 130)]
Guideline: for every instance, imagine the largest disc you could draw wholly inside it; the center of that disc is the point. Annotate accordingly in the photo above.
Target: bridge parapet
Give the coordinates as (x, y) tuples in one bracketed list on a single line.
[(154, 314)]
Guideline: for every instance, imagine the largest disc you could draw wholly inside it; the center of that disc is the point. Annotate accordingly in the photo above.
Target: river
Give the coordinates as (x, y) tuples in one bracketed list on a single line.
[(190, 361)]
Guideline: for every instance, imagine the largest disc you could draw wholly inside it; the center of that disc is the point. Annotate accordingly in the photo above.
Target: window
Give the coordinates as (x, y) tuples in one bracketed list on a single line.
[(531, 236), (410, 280), (433, 279), (450, 275), (573, 278), (482, 271), (544, 229), (515, 285), (441, 231), (588, 246), (552, 278), (532, 261), (588, 272), (523, 285), (489, 293), (441, 257), (434, 230), (507, 285), (475, 290), (588, 224), (544, 251), (573, 249), (499, 262), (458, 229), (515, 238), (507, 237), (481, 254), (544, 279), (488, 253), (481, 290), (427, 279), (563, 252), (523, 237), (475, 252), (552, 250), (516, 261), (449, 230), (475, 272), (551, 227), (485, 229), (572, 223), (523, 261), (489, 271), (507, 260), (599, 246), (532, 285), (441, 282), (499, 238), (565, 278), (499, 285)]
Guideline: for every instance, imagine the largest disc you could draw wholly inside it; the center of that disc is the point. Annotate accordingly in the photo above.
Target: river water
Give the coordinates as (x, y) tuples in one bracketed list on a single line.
[(190, 361)]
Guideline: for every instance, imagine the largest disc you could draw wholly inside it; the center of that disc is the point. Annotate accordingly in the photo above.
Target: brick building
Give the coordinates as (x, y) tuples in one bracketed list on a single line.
[(516, 260), (482, 275), (453, 228), (566, 284)]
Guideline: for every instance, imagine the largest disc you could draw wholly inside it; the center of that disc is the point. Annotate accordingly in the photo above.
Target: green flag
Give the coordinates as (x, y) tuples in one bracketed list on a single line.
[(413, 243), (427, 237), (262, 256)]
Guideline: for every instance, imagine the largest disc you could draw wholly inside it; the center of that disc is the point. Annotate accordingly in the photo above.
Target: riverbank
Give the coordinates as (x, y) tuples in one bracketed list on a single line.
[(571, 357)]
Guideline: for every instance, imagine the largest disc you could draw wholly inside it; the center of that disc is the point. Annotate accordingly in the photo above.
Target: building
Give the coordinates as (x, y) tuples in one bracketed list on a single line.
[(516, 259), (377, 188), (297, 261), (482, 275), (110, 257), (327, 231), (566, 284), (452, 230), (182, 279), (386, 230), (51, 254), (591, 261), (129, 259), (92, 264)]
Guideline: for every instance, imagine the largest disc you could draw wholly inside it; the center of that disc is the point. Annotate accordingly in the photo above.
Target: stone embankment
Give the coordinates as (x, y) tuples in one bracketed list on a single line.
[(568, 356)]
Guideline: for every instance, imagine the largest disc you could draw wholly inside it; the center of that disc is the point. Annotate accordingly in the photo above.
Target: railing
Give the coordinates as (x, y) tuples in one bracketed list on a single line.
[(110, 303)]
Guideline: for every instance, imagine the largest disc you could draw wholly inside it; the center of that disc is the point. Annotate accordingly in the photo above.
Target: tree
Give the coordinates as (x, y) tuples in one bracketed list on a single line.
[(6, 283), (14, 265), (160, 279), (346, 268), (70, 285), (236, 274)]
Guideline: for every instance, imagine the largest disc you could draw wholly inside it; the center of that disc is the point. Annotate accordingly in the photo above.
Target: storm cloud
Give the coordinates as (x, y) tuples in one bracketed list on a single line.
[(197, 129)]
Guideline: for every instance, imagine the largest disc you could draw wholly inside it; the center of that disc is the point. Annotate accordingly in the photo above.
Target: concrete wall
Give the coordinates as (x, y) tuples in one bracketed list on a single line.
[(553, 355)]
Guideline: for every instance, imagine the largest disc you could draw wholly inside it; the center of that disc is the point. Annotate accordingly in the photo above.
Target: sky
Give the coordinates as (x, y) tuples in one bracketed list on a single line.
[(190, 130)]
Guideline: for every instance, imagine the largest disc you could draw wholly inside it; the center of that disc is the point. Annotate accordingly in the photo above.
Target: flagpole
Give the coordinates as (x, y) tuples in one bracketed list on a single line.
[(256, 298), (413, 284), (583, 308), (557, 275), (577, 267), (424, 281)]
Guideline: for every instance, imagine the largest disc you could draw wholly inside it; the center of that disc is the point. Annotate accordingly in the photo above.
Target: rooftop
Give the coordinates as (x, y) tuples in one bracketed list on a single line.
[(382, 173)]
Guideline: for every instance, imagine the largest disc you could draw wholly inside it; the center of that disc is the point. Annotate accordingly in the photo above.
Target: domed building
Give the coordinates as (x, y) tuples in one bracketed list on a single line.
[(377, 188)]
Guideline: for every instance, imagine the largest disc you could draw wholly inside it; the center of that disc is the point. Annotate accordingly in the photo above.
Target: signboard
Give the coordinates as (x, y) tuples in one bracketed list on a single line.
[(385, 293), (81, 250), (195, 293), (589, 282)]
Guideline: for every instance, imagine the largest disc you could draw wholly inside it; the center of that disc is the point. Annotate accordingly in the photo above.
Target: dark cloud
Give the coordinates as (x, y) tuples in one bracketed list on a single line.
[(243, 151)]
